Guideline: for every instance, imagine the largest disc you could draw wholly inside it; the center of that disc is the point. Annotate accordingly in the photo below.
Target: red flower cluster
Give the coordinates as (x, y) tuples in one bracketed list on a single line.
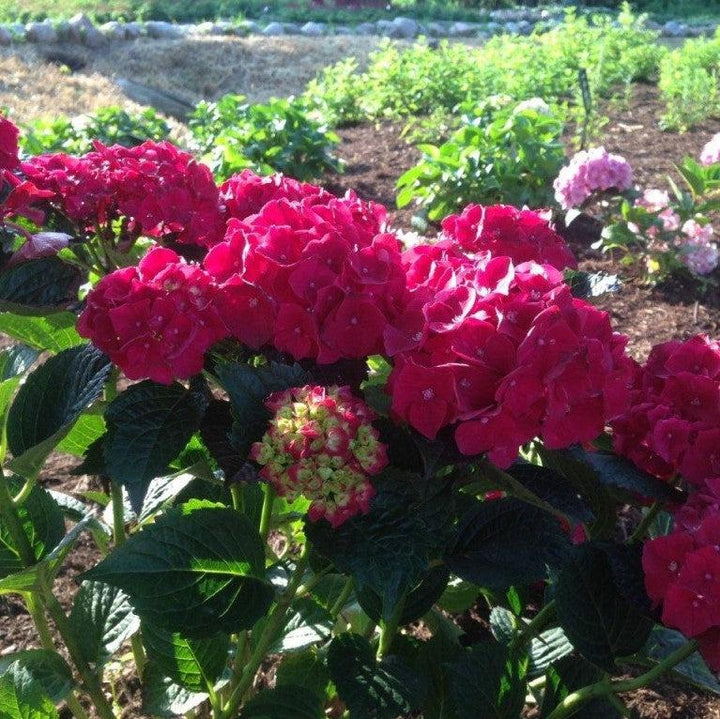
[(161, 190), (503, 230), (321, 445), (505, 352), (682, 571), (246, 193), (322, 278), (8, 145), (673, 423), (155, 320)]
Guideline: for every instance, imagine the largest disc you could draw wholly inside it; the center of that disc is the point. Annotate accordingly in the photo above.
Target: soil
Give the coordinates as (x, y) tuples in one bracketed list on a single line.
[(375, 156)]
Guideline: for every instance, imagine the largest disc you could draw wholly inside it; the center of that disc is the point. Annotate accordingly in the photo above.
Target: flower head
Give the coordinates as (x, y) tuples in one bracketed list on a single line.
[(321, 445)]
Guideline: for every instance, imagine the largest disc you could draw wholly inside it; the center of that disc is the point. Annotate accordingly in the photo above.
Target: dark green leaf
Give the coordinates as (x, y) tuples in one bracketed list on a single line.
[(16, 360), (21, 697), (597, 619), (568, 675), (488, 682), (86, 430), (288, 701), (198, 569), (309, 623), (103, 619), (43, 283), (54, 332), (162, 698), (43, 523), (431, 660), (148, 426), (52, 398), (47, 669), (505, 542), (368, 688), (248, 387), (194, 664), (306, 669), (389, 548)]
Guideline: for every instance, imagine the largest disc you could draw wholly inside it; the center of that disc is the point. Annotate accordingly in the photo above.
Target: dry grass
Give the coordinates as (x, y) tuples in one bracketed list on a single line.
[(193, 70)]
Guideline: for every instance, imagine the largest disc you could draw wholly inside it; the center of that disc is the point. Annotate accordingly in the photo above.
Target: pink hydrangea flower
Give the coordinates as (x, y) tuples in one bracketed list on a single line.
[(321, 445), (590, 171), (711, 152)]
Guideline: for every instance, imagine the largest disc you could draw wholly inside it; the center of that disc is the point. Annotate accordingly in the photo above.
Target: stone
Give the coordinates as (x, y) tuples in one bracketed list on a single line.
[(512, 27), (436, 29), (247, 27), (343, 30), (525, 27), (366, 28), (274, 28), (113, 30), (493, 27), (84, 32), (133, 30), (161, 30), (314, 29), (462, 29), (40, 32), (63, 31), (6, 37), (291, 28), (404, 27), (672, 28)]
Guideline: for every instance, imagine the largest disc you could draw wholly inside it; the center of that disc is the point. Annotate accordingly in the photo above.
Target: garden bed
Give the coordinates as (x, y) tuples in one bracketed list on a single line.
[(375, 156)]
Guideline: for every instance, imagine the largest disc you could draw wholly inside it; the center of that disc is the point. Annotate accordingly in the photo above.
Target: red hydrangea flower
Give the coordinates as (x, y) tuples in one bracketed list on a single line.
[(155, 320), (327, 279), (673, 424), (9, 134), (502, 353), (162, 191), (246, 193), (503, 230), (321, 445)]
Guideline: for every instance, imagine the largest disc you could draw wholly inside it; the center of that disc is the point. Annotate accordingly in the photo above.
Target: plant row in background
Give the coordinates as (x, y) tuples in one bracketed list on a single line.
[(313, 437)]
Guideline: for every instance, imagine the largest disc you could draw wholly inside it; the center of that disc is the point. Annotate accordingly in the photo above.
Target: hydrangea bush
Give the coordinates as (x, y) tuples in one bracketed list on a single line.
[(315, 440)]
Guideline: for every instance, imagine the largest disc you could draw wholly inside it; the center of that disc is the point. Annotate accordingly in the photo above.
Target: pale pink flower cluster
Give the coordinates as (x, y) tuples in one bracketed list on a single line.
[(588, 172), (711, 152), (654, 200), (698, 252)]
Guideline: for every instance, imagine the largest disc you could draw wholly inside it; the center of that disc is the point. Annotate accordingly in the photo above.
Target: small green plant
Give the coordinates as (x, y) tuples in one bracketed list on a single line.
[(232, 135), (512, 159), (689, 84), (110, 125)]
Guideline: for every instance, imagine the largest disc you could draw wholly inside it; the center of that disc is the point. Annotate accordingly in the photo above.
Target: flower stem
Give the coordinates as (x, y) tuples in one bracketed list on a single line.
[(11, 519), (388, 629), (532, 628), (274, 625), (342, 599), (573, 702), (645, 523), (267, 511), (91, 681)]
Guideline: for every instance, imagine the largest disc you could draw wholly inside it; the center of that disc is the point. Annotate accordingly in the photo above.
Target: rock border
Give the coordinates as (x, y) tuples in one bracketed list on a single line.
[(520, 21)]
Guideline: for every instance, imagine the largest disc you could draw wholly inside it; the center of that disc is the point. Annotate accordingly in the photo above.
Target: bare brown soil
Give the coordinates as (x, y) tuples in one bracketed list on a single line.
[(375, 157)]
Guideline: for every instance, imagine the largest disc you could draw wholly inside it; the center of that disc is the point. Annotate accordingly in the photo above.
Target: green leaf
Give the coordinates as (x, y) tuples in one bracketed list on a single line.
[(103, 619), (599, 621), (198, 569), (194, 664), (52, 398), (505, 542), (87, 429), (309, 623), (161, 697), (149, 424), (16, 360), (663, 642), (487, 681), (248, 387), (52, 333), (21, 697), (37, 285), (44, 668), (458, 596), (43, 523), (390, 547), (433, 656), (306, 669), (287, 701), (568, 675), (371, 689)]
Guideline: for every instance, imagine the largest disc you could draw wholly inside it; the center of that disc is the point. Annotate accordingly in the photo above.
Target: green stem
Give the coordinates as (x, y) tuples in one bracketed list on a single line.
[(532, 628), (238, 498), (11, 520), (267, 511), (572, 702), (75, 707), (274, 625), (24, 493), (342, 599), (91, 681), (624, 711), (645, 523), (388, 629)]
